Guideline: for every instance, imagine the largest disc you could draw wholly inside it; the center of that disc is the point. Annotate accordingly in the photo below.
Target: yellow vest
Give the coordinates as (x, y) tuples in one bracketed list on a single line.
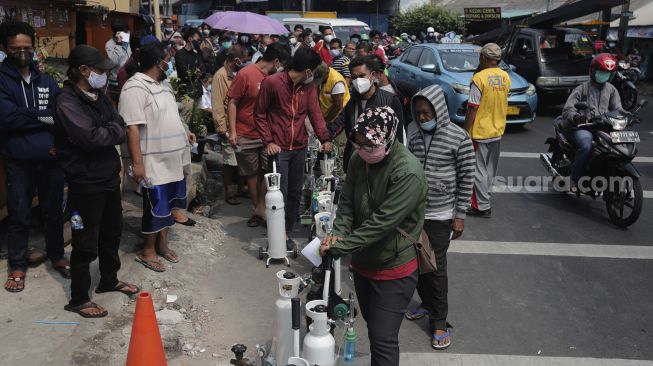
[(490, 121), (333, 78)]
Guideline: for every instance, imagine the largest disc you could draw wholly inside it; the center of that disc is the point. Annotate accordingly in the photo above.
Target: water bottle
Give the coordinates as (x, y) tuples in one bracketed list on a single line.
[(314, 203), (76, 222), (350, 345)]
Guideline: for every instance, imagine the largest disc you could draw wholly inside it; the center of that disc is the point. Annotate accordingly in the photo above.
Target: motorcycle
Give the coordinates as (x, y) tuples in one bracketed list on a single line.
[(614, 148), (624, 80)]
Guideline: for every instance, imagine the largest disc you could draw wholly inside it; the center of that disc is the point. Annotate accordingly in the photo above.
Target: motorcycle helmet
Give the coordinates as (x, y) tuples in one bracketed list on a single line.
[(603, 68), (611, 41), (430, 31)]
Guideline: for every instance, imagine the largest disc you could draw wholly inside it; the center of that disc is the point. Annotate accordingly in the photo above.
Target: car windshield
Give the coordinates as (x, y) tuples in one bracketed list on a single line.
[(463, 60), (561, 46), (344, 32)]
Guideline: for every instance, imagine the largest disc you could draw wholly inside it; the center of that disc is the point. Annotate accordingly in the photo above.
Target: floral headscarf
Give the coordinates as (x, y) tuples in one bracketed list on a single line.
[(379, 125)]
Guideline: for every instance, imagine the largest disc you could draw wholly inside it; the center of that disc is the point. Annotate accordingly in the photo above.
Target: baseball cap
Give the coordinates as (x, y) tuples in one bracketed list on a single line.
[(89, 56), (491, 51)]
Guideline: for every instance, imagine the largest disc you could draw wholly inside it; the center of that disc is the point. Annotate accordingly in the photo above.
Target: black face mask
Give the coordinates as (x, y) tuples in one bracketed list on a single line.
[(20, 59), (196, 45)]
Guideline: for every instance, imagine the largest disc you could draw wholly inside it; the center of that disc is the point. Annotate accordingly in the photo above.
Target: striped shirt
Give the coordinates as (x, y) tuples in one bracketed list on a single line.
[(448, 160), (341, 65)]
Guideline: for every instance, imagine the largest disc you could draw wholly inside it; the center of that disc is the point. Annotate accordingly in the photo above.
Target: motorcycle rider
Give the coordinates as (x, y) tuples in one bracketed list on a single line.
[(431, 35), (601, 97)]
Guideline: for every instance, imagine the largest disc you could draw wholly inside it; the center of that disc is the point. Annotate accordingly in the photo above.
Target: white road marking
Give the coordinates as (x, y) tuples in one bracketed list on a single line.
[(551, 249), (448, 359), (512, 154)]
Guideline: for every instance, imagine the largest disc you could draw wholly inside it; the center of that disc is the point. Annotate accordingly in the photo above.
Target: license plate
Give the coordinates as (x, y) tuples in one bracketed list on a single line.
[(512, 110), (624, 136)]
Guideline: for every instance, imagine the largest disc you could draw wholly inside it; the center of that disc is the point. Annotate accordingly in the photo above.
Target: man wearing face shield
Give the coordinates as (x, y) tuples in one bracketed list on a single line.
[(27, 143), (365, 94), (601, 97), (86, 130)]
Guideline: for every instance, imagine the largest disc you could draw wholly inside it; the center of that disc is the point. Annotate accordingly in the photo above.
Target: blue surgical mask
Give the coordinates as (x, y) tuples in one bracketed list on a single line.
[(428, 125), (601, 77), (209, 88)]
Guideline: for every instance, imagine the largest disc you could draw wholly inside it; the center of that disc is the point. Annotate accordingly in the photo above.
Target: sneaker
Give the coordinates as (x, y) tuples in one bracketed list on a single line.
[(290, 245), (479, 213)]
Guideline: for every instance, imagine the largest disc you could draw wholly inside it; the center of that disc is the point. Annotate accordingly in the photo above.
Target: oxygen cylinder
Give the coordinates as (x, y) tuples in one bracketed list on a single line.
[(274, 210), (288, 288), (319, 344)]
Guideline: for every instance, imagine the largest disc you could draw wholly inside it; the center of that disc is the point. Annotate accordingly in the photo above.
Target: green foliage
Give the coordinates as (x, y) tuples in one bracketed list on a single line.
[(416, 20)]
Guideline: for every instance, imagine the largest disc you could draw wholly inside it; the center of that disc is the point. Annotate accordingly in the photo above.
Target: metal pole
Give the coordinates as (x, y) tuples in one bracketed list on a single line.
[(548, 5), (623, 26), (157, 19)]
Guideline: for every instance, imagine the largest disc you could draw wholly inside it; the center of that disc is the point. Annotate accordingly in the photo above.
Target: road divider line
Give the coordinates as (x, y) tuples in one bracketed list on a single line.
[(551, 249), (527, 155), (446, 359)]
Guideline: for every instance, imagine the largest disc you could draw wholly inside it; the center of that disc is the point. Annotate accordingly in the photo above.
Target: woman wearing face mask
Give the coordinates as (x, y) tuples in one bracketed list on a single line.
[(385, 191), (87, 128), (159, 146)]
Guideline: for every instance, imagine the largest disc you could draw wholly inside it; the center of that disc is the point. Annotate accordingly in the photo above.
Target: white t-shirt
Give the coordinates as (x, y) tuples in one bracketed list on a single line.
[(164, 143), (339, 88), (206, 99)]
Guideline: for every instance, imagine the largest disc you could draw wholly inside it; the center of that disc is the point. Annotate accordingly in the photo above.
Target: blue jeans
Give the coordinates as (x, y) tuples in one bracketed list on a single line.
[(23, 179), (583, 140)]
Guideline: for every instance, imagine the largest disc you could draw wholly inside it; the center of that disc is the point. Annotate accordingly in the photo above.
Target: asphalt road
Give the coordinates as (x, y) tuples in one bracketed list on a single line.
[(544, 302)]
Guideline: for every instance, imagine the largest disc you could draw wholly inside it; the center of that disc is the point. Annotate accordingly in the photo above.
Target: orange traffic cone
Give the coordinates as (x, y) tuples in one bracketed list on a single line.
[(145, 345)]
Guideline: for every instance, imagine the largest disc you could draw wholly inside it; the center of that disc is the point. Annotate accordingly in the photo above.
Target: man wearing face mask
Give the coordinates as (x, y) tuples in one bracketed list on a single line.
[(27, 143), (263, 45), (431, 36), (236, 56), (446, 153), (340, 61), (377, 47), (365, 94), (118, 50), (87, 128), (285, 100), (294, 43), (323, 46), (190, 66), (243, 134), (601, 97)]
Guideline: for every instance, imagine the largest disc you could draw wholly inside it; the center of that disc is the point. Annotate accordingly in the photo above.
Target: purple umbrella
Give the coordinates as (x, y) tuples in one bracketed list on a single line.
[(245, 22)]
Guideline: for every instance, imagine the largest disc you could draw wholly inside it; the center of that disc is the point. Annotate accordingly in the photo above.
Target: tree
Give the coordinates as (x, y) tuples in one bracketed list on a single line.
[(416, 20)]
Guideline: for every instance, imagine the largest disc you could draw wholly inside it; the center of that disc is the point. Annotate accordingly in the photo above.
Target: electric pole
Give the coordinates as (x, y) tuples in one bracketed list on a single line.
[(157, 19), (623, 26)]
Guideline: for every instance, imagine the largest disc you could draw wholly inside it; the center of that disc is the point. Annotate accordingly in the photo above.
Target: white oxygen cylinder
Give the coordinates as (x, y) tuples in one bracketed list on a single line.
[(276, 219), (319, 344), (288, 288)]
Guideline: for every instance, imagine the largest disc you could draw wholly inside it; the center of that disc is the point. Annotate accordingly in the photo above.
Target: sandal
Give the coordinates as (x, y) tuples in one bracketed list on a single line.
[(63, 267), (153, 264), (188, 222), (232, 200), (170, 256), (17, 277), (438, 338), (417, 313), (255, 221), (34, 256), (120, 287), (89, 305)]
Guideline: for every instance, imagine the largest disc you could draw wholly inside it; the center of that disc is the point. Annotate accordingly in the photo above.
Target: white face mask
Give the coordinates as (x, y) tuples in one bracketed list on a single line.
[(309, 79), (335, 52), (293, 41), (361, 85), (97, 81), (328, 38)]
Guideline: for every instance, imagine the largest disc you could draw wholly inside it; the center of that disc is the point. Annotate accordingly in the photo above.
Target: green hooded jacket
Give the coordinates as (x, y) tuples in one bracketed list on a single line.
[(368, 227)]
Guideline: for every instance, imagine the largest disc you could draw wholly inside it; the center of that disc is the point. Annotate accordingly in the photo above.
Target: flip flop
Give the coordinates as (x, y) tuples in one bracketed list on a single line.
[(438, 338), (255, 221), (19, 278), (169, 255), (189, 222), (89, 305), (63, 269), (119, 288), (232, 200), (417, 313), (147, 264)]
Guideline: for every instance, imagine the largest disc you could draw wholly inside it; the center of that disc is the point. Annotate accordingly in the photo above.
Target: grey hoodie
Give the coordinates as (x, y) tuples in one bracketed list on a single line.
[(448, 161)]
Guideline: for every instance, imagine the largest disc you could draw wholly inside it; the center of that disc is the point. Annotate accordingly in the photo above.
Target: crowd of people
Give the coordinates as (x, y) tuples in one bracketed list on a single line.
[(408, 167)]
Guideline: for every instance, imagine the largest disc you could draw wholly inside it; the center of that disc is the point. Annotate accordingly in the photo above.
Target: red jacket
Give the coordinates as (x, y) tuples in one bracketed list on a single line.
[(324, 52), (281, 109)]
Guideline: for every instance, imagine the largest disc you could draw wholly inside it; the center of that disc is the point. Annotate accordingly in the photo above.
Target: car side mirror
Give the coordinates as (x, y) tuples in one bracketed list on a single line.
[(581, 106), (430, 68)]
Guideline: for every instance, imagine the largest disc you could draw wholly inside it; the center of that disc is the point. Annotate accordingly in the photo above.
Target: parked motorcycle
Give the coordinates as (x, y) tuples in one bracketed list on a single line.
[(624, 80), (614, 148)]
